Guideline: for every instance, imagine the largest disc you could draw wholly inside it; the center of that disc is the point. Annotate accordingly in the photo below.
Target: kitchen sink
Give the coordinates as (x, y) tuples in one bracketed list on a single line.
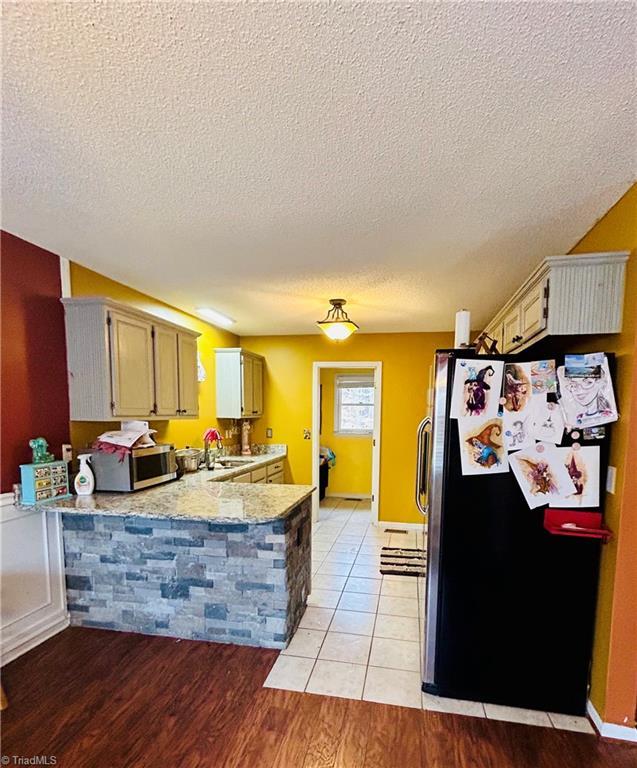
[(230, 461)]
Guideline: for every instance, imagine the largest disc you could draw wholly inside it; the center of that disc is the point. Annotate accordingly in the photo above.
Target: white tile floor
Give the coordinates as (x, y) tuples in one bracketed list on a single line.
[(360, 636)]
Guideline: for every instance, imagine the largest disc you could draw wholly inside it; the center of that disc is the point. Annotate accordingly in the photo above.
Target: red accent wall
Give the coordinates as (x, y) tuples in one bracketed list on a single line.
[(34, 399)]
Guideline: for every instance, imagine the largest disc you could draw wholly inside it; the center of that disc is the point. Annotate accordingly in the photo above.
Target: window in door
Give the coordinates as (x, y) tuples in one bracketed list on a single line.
[(354, 405)]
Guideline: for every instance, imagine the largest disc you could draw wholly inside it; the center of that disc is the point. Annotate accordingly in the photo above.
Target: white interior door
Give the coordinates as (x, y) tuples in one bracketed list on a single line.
[(377, 367)]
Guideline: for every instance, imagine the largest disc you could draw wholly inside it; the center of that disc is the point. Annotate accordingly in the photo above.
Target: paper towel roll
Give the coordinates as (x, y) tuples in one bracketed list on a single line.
[(463, 328)]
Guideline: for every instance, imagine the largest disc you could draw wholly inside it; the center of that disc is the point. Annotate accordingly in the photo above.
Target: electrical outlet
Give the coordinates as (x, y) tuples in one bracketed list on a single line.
[(611, 477), (307, 435), (268, 432), (67, 452)]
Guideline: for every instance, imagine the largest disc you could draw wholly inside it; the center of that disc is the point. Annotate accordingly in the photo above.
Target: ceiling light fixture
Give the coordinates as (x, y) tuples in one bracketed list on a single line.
[(215, 317), (336, 325)]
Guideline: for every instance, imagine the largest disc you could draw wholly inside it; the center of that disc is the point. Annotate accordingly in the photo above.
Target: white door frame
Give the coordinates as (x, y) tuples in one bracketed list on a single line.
[(377, 367)]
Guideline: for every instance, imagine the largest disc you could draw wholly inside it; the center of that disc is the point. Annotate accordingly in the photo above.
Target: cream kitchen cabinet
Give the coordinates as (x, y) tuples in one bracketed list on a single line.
[(526, 318), (175, 361), (130, 341), (566, 295), (257, 385), (166, 361), (258, 475), (511, 329), (188, 382), (124, 363), (271, 473), (239, 384), (275, 469), (275, 472)]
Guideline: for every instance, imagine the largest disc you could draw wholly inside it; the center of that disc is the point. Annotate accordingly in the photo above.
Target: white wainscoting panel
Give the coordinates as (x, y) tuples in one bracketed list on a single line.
[(32, 588)]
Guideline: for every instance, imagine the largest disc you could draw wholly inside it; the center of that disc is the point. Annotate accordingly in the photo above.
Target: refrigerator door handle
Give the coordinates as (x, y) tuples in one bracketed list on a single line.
[(422, 470)]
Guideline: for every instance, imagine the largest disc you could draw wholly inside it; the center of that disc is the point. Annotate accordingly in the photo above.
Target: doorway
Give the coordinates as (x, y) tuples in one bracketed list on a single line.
[(345, 411)]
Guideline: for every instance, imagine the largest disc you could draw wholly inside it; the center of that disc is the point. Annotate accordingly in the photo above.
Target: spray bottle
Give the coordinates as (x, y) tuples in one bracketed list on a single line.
[(85, 479)]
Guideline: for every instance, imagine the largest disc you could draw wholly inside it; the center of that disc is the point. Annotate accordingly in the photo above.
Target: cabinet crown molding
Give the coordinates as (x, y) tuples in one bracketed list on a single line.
[(105, 301), (235, 350)]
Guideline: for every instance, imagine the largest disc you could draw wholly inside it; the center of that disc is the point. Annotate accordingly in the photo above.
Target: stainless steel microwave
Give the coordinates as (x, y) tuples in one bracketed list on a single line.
[(141, 468)]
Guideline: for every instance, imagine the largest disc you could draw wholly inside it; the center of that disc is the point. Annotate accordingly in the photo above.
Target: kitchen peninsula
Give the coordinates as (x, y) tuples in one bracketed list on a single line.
[(216, 561)]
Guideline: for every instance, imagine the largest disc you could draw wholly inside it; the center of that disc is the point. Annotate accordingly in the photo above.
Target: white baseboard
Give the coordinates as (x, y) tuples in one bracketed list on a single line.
[(357, 496), (610, 730), (15, 646)]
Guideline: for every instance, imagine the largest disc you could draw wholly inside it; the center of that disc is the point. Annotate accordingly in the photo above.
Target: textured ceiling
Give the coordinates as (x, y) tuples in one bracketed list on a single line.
[(262, 158)]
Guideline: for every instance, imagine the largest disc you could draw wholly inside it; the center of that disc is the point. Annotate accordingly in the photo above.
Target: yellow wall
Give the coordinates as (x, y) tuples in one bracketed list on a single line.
[(406, 359), (352, 472), (616, 231), (84, 282)]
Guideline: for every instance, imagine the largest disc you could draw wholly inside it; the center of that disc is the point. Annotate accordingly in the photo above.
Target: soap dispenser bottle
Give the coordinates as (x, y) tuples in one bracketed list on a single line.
[(85, 479)]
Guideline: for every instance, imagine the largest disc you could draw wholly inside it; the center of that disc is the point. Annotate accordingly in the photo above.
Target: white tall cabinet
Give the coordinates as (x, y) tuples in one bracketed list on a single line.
[(239, 383), (124, 363), (32, 589)]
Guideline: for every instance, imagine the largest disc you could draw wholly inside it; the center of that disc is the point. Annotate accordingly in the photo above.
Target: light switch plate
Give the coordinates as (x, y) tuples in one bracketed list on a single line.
[(611, 477), (268, 432)]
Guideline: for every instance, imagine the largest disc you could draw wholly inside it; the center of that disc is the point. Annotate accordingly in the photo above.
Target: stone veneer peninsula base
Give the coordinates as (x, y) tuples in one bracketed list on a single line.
[(232, 582)]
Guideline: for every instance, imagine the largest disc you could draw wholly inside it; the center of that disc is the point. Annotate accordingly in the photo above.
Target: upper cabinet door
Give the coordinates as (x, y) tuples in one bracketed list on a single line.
[(188, 384), (247, 379), (532, 311), (166, 371), (511, 329), (131, 351), (257, 386), (239, 376), (496, 333)]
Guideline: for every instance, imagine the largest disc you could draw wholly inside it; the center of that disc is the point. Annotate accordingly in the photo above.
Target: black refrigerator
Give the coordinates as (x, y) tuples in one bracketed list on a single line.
[(510, 607)]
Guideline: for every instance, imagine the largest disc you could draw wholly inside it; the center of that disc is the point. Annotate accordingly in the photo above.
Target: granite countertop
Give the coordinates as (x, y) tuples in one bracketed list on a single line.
[(194, 497)]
